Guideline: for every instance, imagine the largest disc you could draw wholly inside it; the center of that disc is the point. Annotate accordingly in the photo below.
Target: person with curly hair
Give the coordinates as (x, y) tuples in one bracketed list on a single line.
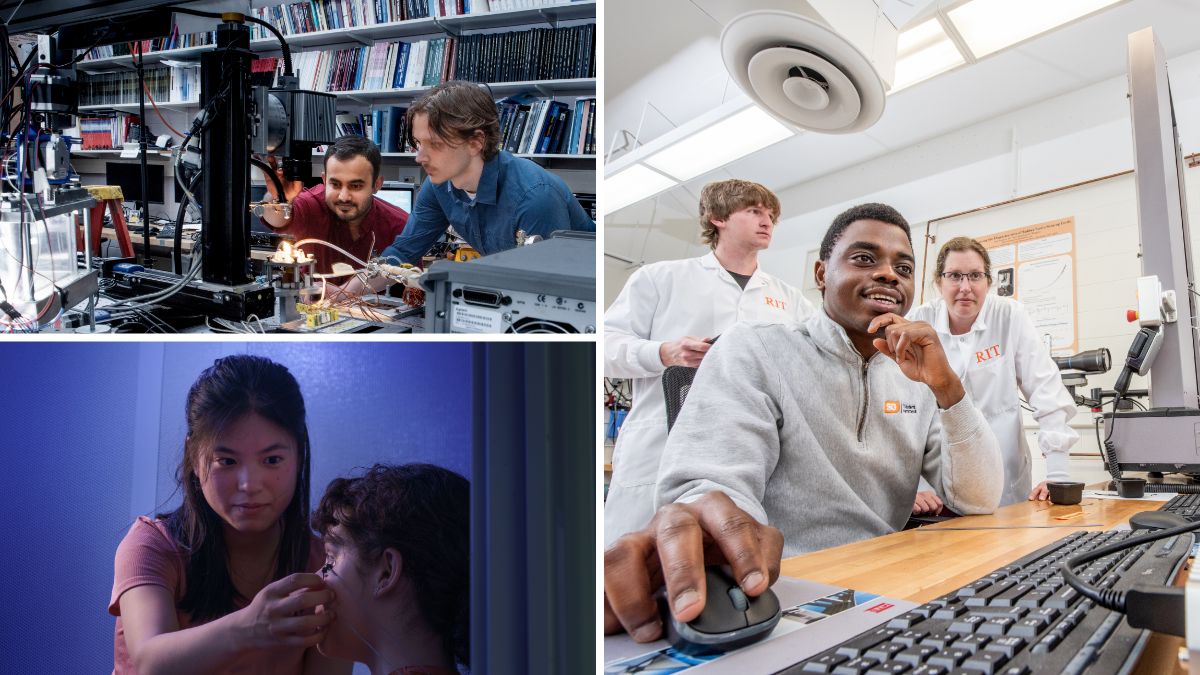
[(397, 544)]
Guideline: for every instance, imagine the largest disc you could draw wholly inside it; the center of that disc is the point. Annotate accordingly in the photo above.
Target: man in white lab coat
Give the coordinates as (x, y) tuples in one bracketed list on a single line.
[(667, 315), (996, 351)]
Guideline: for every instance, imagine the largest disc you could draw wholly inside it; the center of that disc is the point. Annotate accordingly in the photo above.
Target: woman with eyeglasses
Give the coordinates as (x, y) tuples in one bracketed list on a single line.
[(1001, 358)]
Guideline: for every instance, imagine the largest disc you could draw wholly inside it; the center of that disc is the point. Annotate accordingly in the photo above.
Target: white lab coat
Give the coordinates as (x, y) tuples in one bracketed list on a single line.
[(1000, 357), (661, 302)]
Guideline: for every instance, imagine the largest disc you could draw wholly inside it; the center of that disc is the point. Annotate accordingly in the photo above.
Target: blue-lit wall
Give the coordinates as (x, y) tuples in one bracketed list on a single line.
[(93, 434)]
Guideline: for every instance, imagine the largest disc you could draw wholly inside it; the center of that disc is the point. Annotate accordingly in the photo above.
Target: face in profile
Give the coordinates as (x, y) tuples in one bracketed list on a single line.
[(748, 228), (442, 159), (249, 475), (343, 573)]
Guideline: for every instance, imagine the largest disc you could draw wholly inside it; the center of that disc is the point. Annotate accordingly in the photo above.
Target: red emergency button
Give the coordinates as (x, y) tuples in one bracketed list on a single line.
[(1131, 315)]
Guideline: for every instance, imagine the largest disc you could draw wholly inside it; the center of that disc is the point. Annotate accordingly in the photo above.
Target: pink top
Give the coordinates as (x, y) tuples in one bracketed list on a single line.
[(311, 219), (148, 555)]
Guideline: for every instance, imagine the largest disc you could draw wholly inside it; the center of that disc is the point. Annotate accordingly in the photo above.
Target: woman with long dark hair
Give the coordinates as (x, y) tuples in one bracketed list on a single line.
[(225, 582)]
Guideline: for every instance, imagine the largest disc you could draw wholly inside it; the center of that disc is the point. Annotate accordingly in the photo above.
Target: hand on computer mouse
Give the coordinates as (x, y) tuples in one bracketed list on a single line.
[(674, 548), (731, 618)]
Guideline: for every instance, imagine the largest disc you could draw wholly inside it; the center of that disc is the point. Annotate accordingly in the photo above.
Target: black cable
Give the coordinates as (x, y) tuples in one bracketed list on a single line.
[(279, 191), (283, 45), (147, 259), (177, 243), (6, 61), (1159, 608)]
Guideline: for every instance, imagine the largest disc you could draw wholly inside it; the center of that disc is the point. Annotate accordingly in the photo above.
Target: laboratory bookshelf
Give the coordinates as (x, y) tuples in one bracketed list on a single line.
[(537, 58)]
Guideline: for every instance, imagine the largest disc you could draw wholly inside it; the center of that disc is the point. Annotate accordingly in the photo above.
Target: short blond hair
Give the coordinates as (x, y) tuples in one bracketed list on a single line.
[(720, 199), (962, 245)]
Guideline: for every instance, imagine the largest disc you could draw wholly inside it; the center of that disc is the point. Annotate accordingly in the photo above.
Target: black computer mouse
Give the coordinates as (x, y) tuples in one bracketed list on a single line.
[(1156, 520), (730, 618)]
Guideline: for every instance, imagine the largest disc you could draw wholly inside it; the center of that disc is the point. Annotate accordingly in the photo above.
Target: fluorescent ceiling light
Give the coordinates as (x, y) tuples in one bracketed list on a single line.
[(720, 143), (922, 52), (632, 185), (991, 25)]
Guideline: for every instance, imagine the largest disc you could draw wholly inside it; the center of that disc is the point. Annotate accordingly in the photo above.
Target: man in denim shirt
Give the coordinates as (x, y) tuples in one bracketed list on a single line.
[(491, 198)]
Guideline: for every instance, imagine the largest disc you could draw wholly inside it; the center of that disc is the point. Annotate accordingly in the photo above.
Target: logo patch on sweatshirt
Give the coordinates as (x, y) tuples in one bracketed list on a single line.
[(894, 407), (777, 304)]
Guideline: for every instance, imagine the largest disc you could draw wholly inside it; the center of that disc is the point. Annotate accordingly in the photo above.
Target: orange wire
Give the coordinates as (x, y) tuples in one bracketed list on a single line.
[(160, 115)]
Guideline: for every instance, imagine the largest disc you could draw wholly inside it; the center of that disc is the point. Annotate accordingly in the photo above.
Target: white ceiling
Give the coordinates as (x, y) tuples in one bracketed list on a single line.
[(662, 67)]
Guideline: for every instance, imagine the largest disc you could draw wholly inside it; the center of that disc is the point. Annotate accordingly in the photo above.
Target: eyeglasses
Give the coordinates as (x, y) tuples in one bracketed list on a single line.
[(957, 277)]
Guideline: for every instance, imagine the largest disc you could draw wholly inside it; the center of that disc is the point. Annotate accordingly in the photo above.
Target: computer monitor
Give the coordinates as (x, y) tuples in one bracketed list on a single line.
[(129, 177), (397, 194)]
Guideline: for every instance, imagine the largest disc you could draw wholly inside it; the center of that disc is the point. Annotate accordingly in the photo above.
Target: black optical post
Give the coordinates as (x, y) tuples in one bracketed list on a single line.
[(225, 181)]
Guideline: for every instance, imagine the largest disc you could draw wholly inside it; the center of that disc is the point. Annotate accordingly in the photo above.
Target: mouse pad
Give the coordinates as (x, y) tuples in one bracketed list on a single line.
[(815, 617)]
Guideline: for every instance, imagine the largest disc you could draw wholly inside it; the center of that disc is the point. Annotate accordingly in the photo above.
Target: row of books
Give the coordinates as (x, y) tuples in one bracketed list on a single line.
[(122, 87), (547, 126), (536, 54), (174, 84), (109, 132), (175, 40), (318, 15), (527, 126), (386, 127), (384, 65)]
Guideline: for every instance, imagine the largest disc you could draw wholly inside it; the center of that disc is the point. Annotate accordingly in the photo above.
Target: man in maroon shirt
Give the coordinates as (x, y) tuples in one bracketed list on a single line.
[(342, 210)]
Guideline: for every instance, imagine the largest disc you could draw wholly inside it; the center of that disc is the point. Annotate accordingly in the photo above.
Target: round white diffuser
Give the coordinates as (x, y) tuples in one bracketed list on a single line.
[(800, 70)]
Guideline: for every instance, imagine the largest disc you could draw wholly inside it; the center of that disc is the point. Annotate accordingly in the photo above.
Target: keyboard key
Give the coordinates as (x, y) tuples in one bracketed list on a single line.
[(859, 645), (824, 663), (972, 643), (930, 670), (1063, 599), (988, 662), (855, 666), (916, 655), (884, 651), (925, 610), (941, 640), (889, 669), (1008, 645), (1010, 597), (974, 587), (1034, 598), (949, 657), (1047, 643), (950, 612), (906, 620), (968, 624), (997, 625), (911, 637), (1029, 627), (982, 597), (1049, 613)]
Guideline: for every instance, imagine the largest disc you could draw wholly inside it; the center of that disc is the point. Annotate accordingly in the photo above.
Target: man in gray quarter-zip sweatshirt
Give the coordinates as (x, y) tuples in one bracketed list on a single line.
[(799, 437)]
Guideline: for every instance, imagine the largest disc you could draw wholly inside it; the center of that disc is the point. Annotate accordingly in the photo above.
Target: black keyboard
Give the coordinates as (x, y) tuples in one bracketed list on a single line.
[(1187, 506), (1018, 620)]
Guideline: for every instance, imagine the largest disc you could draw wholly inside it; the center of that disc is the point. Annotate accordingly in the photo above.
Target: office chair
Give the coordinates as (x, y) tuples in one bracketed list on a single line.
[(676, 381)]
